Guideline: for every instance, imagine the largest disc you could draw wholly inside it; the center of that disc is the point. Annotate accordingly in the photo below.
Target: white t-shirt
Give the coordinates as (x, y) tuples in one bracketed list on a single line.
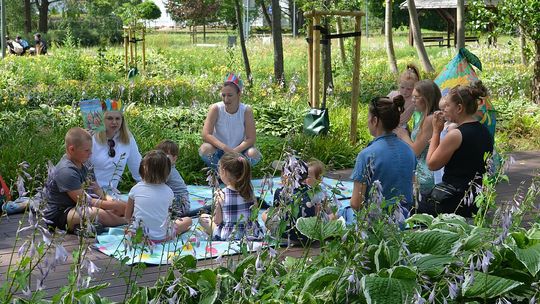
[(109, 169), (152, 202)]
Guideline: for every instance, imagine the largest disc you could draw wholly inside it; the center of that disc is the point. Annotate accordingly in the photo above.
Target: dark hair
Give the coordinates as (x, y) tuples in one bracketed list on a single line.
[(387, 111), (231, 84), (169, 147), (239, 171), (468, 96), (18, 37), (155, 167)]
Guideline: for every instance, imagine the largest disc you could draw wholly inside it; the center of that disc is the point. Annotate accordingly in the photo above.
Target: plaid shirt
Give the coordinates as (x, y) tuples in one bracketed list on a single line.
[(236, 217)]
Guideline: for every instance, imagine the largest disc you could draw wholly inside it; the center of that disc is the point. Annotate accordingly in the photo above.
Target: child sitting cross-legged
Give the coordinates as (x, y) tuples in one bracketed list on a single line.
[(232, 218), (292, 201), (180, 206), (150, 199)]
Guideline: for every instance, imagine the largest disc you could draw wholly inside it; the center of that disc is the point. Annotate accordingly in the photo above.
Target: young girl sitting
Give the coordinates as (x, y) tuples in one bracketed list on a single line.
[(150, 199), (232, 217), (407, 80)]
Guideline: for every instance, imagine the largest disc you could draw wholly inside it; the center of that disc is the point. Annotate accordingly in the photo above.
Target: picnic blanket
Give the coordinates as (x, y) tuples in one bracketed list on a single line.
[(194, 242), (201, 196)]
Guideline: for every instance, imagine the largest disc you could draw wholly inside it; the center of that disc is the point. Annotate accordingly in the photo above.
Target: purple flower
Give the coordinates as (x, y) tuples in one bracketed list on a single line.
[(452, 290), (60, 253), (192, 292), (237, 287), (20, 186), (486, 258)]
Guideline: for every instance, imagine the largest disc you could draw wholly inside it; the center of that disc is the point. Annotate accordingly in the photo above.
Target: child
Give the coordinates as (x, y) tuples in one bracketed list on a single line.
[(233, 206), (407, 80), (66, 188), (316, 170), (175, 181), (448, 125), (301, 195), (150, 199)]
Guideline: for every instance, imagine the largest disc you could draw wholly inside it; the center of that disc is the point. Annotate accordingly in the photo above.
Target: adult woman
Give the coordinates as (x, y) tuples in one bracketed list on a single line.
[(229, 126), (113, 148), (426, 96), (386, 159), (462, 153)]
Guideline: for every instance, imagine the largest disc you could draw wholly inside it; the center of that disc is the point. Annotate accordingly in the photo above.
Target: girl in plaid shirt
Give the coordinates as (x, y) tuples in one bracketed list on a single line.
[(233, 217)]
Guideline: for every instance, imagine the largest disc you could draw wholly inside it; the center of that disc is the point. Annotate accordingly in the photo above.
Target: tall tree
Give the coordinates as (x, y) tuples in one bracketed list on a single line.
[(460, 24), (417, 36), (277, 38), (264, 10), (196, 12), (27, 17), (389, 40), (43, 9), (240, 28)]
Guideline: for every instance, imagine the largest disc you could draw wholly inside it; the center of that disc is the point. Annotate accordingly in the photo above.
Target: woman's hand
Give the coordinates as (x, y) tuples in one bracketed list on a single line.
[(438, 122)]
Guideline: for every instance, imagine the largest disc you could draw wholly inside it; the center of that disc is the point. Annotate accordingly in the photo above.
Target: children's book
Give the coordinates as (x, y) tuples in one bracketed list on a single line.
[(92, 115)]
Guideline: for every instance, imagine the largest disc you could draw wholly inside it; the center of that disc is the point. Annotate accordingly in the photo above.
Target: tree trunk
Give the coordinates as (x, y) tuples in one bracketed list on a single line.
[(27, 17), (417, 36), (389, 40), (522, 46), (326, 54), (43, 7), (240, 28), (536, 80), (460, 24), (278, 43), (204, 31), (265, 14)]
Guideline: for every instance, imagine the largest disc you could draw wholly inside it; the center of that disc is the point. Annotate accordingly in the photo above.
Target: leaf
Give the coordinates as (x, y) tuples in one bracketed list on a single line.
[(476, 239), (245, 263), (432, 241), (387, 290), (488, 286), (314, 228), (431, 264), (529, 257), (90, 290), (321, 278), (423, 218), (185, 262), (451, 222)]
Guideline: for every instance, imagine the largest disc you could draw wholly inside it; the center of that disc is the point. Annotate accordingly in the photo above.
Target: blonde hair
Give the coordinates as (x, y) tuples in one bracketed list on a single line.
[(155, 167), (76, 137), (411, 73), (239, 171), (124, 133)]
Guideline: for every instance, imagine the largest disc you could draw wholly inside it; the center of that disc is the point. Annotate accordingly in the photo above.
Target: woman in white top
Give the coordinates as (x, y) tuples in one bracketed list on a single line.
[(114, 148), (229, 126)]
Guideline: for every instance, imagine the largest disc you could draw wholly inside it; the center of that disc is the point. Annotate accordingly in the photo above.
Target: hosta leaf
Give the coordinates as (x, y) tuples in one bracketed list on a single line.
[(432, 241), (488, 286), (529, 257), (314, 228), (423, 218), (451, 222), (432, 265), (390, 290), (322, 277)]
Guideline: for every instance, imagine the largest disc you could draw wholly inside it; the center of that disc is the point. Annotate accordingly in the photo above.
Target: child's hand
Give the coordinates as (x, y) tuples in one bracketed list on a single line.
[(219, 196), (438, 122)]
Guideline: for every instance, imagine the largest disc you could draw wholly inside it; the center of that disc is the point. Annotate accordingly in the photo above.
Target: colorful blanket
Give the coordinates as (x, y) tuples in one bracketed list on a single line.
[(115, 244), (200, 196)]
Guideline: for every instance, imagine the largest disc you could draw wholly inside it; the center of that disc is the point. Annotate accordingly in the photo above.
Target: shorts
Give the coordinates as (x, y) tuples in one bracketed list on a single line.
[(59, 219)]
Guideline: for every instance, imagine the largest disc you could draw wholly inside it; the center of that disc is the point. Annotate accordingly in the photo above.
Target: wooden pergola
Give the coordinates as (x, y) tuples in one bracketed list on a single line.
[(447, 10)]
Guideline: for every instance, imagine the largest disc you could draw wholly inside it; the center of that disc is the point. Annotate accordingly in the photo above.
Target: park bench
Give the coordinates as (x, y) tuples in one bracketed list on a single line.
[(438, 39), (471, 39)]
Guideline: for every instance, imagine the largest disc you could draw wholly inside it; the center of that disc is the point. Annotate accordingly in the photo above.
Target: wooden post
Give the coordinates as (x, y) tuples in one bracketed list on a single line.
[(340, 40), (3, 31), (130, 46), (310, 61), (126, 45), (135, 46), (143, 48), (355, 81), (316, 61)]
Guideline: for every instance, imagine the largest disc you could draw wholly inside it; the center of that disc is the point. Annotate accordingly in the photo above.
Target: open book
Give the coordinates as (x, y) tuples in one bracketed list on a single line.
[(92, 115)]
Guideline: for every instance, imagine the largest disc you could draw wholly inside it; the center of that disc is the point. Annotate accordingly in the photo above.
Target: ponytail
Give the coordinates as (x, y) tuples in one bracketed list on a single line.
[(239, 170)]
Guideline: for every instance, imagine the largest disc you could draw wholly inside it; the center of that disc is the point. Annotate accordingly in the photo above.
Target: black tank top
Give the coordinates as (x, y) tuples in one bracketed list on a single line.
[(468, 160)]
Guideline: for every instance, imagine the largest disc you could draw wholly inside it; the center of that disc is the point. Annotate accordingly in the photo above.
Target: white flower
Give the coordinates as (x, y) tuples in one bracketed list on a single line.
[(192, 292)]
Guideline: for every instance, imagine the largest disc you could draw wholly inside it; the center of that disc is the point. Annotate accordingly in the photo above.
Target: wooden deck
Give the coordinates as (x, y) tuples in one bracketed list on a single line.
[(527, 165)]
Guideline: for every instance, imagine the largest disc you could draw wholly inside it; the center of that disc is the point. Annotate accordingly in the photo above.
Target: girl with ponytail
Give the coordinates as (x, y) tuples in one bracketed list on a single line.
[(233, 205)]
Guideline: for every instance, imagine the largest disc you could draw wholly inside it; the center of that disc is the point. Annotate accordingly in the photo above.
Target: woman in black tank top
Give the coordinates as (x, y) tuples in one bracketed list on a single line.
[(461, 152)]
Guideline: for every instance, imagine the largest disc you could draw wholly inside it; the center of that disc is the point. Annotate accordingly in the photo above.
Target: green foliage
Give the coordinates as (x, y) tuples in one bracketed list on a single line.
[(148, 10)]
